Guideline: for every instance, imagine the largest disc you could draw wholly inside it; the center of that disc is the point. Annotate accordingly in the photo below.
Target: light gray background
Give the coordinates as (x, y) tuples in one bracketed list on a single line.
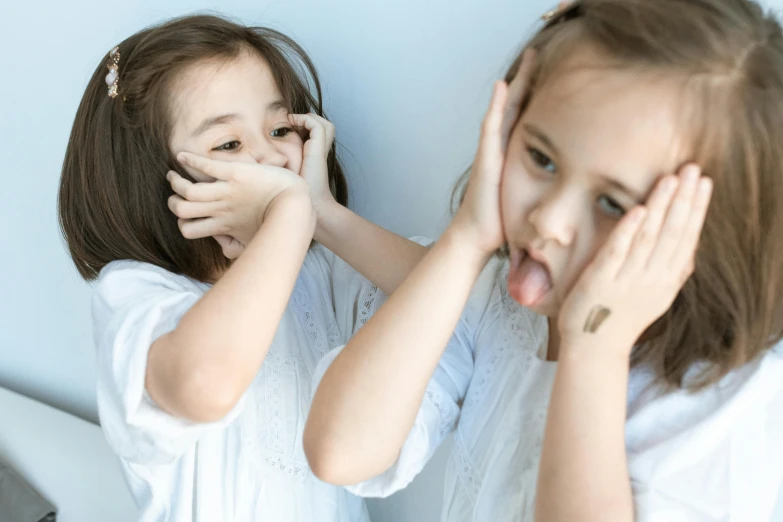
[(406, 84)]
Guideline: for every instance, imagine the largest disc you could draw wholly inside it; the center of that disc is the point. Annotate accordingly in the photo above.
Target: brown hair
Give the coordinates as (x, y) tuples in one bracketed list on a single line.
[(729, 55), (113, 191)]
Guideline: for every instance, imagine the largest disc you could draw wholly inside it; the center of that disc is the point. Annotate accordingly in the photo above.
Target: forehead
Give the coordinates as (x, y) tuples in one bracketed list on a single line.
[(603, 119), (219, 86)]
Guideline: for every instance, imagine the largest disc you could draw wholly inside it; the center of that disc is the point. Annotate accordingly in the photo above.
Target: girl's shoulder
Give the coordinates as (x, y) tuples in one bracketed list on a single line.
[(124, 278)]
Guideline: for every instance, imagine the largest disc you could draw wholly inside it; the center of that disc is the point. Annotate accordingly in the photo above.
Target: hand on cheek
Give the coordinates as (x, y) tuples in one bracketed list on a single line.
[(479, 219), (638, 272), (314, 155), (232, 207)]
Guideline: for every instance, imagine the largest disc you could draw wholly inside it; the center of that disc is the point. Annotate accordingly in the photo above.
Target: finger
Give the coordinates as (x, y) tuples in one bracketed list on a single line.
[(646, 238), (199, 228), (677, 216), (320, 129), (516, 92), (685, 252), (185, 209), (612, 256), (231, 247), (196, 191), (213, 169), (490, 143)]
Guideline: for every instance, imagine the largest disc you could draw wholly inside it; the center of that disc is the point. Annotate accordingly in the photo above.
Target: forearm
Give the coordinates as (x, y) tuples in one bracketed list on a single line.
[(201, 369), (583, 474), (367, 401), (381, 256)]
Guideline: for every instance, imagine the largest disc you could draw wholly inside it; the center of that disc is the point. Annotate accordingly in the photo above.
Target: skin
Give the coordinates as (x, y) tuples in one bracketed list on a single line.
[(262, 192), (633, 264)]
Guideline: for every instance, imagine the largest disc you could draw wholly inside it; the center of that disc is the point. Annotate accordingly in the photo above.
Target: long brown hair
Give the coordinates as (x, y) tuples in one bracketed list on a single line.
[(729, 55), (113, 191)]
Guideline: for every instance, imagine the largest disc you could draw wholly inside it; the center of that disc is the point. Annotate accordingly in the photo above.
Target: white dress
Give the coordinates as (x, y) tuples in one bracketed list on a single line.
[(714, 456), (251, 465)]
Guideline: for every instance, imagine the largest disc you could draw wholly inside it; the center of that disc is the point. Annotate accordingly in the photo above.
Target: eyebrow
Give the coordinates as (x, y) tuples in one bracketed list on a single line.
[(615, 183), (222, 119)]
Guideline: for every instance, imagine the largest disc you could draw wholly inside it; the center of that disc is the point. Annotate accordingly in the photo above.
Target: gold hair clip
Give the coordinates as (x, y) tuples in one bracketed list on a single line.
[(112, 79), (557, 11)]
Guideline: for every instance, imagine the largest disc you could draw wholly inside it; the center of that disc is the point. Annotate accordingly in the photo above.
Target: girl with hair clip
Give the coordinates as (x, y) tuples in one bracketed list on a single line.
[(620, 359), (208, 327)]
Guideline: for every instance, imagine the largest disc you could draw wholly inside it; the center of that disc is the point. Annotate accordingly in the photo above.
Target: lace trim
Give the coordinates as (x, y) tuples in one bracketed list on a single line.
[(290, 468), (279, 365), (446, 411), (366, 303), (301, 305), (466, 471), (274, 366), (517, 332)]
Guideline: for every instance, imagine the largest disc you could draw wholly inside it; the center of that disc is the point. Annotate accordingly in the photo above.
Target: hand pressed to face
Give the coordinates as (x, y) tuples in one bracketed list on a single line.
[(231, 112), (591, 145), (234, 204), (479, 215), (639, 271), (316, 151), (228, 206)]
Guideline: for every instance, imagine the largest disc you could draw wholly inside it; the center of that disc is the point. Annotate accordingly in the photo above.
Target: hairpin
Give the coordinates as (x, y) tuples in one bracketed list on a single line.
[(563, 8), (113, 77)]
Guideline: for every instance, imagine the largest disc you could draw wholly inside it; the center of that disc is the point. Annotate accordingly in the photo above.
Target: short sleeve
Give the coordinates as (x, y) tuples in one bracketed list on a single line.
[(435, 419), (135, 304), (720, 459)]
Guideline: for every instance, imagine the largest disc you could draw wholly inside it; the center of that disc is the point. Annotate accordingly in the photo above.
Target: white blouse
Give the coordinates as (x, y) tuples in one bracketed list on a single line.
[(250, 465), (712, 456)]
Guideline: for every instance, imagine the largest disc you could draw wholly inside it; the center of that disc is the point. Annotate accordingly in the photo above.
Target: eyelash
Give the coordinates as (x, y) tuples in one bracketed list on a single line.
[(617, 211), (608, 205), (224, 148), (539, 159), (286, 129)]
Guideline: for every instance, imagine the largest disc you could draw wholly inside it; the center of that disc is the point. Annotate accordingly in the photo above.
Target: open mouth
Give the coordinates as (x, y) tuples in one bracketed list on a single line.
[(529, 280)]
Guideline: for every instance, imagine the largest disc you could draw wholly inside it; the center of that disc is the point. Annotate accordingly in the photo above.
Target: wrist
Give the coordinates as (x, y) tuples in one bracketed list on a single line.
[(608, 348), (465, 226), (327, 213), (463, 241), (294, 205)]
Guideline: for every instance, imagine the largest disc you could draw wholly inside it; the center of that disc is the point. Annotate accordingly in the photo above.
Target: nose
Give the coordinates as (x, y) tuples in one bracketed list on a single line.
[(556, 217), (265, 152)]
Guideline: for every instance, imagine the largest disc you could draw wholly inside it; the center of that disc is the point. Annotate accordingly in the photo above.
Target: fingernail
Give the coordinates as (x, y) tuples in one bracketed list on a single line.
[(705, 186), (181, 157), (692, 173)]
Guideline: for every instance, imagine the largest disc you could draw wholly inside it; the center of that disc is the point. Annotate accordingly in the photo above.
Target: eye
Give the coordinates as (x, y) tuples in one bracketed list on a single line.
[(228, 146), (282, 132), (541, 160), (610, 207)]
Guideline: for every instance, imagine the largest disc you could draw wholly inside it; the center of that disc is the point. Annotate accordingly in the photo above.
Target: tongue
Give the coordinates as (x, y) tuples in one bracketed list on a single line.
[(528, 280)]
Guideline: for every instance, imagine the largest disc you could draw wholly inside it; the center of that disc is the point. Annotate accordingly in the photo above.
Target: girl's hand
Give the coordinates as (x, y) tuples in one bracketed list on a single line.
[(316, 150), (639, 271), (232, 207), (479, 213)]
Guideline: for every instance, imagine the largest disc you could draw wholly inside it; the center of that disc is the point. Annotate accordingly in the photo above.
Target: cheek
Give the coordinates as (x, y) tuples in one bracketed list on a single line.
[(519, 195), (589, 241), (292, 150)]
